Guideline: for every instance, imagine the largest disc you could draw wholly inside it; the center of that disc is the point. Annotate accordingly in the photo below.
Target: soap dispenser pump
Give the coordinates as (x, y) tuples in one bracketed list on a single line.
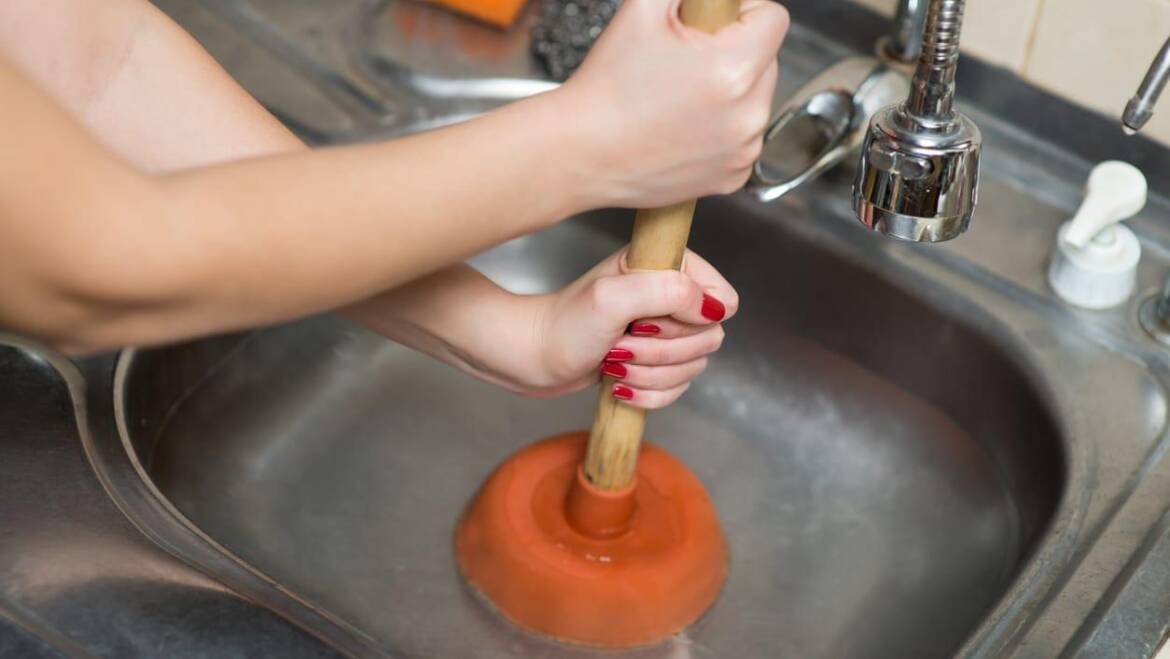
[(1094, 265)]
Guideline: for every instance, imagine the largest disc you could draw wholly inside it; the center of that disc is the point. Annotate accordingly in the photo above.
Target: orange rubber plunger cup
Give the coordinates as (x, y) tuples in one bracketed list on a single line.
[(557, 556), (600, 540)]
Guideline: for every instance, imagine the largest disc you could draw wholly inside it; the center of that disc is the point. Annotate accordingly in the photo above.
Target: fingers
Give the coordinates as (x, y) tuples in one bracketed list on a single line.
[(649, 351), (625, 298), (758, 34), (665, 328), (664, 303), (653, 373), (648, 398), (673, 325), (656, 378), (758, 105)]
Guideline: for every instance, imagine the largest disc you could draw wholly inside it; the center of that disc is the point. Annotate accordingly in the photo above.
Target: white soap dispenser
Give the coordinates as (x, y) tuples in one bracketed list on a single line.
[(1095, 261)]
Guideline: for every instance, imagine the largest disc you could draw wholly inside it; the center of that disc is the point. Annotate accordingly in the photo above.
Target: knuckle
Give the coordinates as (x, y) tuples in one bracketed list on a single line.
[(702, 366), (732, 79), (742, 177), (734, 181), (755, 148), (772, 17), (602, 292), (740, 80), (657, 354), (716, 340), (750, 126), (677, 290), (667, 378), (654, 400), (745, 157), (780, 16)]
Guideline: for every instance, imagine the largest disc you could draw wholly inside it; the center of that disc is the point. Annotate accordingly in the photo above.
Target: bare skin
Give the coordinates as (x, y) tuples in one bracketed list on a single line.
[(214, 217)]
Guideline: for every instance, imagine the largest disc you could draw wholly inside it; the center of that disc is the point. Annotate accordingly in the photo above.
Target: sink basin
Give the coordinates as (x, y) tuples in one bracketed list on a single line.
[(881, 461)]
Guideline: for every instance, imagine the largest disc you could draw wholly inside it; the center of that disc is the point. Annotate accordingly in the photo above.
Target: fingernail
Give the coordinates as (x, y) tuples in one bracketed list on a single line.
[(644, 329), (622, 392), (713, 309), (619, 355), (614, 370)]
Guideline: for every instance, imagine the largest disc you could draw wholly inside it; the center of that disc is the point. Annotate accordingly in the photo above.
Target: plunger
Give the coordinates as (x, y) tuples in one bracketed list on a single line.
[(596, 538)]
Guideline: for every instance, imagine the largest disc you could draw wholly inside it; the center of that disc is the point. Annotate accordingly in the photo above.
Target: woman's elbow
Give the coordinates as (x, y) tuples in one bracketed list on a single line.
[(73, 328)]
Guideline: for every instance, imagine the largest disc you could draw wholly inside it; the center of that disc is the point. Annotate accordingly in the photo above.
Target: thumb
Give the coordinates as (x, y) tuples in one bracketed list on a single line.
[(621, 299)]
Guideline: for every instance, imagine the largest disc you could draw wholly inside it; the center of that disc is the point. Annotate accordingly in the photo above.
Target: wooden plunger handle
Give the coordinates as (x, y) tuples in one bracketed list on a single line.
[(659, 243)]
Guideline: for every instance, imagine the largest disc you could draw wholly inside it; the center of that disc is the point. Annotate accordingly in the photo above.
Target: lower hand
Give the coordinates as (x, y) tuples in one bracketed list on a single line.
[(651, 330)]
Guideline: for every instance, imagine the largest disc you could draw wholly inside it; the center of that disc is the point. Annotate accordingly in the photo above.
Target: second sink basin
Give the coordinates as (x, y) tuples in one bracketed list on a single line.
[(882, 465)]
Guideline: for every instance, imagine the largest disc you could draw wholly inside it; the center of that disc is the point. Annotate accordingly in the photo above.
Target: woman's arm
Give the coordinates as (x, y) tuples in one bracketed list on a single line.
[(98, 254), (135, 258), (138, 82), (151, 93), (650, 330)]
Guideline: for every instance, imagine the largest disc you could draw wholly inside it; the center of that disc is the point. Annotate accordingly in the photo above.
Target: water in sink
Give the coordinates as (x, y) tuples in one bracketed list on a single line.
[(866, 517)]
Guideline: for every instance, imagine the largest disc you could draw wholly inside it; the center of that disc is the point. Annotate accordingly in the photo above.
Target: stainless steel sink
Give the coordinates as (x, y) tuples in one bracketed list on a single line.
[(915, 450), (882, 465)]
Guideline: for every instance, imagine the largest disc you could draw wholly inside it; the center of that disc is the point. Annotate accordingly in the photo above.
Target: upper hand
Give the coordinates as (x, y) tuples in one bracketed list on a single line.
[(667, 112)]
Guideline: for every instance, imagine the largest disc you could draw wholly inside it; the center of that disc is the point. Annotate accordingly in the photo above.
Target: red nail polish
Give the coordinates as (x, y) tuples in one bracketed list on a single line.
[(619, 355), (644, 329), (713, 309), (614, 370), (622, 392)]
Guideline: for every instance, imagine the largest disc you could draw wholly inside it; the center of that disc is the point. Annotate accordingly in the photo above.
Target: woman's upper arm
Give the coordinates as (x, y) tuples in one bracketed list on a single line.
[(143, 86)]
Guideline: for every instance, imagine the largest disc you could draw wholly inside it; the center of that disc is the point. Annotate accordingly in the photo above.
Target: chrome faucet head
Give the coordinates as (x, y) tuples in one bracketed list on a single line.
[(918, 178), (917, 182)]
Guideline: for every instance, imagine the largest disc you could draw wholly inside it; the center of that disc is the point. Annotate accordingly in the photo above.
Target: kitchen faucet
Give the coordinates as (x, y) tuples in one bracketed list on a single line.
[(918, 178), (919, 163)]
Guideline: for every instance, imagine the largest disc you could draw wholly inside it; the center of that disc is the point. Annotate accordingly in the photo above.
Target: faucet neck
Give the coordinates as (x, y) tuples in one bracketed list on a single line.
[(1141, 107), (932, 92), (905, 39)]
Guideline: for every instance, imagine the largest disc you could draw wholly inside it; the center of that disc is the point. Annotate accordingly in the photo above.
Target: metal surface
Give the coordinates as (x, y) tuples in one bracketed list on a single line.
[(925, 453), (823, 124), (340, 472), (854, 466), (1155, 315), (76, 578), (918, 178), (905, 39), (914, 184), (1140, 108), (851, 289)]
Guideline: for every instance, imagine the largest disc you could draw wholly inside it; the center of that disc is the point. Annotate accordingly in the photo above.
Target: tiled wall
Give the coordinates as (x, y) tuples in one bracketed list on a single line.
[(1090, 51)]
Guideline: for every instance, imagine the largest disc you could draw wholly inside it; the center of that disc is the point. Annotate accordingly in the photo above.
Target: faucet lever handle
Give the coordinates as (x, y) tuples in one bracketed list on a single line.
[(1115, 191)]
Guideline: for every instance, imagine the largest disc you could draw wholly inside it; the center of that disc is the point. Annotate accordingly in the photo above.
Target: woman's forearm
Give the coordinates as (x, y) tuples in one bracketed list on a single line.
[(461, 317), (100, 249), (144, 87), (137, 258), (344, 223)]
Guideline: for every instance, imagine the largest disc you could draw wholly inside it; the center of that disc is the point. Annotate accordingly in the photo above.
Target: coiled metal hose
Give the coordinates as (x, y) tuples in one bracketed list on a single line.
[(932, 90)]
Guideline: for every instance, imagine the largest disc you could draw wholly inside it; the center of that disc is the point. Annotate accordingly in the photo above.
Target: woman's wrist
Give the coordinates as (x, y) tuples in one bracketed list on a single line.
[(464, 319), (575, 152)]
